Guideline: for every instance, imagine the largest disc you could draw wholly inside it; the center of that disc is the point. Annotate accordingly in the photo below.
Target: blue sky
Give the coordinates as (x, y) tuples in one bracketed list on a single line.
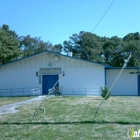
[(56, 20)]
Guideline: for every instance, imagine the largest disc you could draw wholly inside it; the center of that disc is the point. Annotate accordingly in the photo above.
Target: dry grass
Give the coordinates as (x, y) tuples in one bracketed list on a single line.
[(72, 118), (10, 100)]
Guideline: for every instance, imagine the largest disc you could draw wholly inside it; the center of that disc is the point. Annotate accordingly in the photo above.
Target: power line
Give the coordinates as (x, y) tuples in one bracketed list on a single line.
[(103, 16), (50, 91), (112, 86)]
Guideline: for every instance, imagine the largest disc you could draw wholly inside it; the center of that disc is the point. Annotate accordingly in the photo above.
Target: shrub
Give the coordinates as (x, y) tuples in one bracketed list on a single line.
[(57, 92), (104, 91)]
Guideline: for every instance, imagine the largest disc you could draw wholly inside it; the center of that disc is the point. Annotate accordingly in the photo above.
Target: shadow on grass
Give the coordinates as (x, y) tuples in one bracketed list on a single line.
[(65, 123)]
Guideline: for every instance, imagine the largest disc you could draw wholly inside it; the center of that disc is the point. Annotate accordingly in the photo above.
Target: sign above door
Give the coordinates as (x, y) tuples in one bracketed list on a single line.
[(50, 71)]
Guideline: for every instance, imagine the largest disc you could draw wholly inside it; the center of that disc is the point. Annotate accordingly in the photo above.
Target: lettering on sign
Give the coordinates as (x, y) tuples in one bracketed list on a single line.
[(50, 71)]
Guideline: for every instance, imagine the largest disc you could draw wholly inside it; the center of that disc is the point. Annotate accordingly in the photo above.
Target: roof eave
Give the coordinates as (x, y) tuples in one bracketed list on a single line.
[(55, 53)]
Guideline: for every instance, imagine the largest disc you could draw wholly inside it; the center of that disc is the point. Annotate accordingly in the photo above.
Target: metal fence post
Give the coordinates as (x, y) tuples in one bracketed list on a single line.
[(11, 92), (23, 91)]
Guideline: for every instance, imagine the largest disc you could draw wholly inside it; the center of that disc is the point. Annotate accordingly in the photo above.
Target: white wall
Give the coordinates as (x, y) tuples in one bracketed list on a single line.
[(18, 81), (83, 80), (125, 85), (81, 77), (18, 78)]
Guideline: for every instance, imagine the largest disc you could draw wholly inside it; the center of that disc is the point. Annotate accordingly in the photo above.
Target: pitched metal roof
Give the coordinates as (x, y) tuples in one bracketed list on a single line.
[(55, 53)]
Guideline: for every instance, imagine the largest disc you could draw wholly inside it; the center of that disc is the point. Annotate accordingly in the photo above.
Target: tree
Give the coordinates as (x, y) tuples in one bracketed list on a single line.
[(132, 45), (31, 45), (112, 51), (57, 48), (84, 45), (9, 45)]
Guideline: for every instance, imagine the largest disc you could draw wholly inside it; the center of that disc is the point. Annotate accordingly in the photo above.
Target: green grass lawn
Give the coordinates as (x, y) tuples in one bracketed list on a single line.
[(71, 118)]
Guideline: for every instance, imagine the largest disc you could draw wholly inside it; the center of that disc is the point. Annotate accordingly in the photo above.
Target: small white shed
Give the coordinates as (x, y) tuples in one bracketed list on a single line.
[(43, 70), (128, 83)]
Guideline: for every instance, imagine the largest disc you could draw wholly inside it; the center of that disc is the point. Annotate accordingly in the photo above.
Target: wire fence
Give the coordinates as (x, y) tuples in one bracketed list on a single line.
[(35, 91), (80, 91), (18, 92)]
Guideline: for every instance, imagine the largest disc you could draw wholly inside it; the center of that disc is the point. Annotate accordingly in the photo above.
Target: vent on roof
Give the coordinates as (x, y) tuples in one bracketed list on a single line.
[(69, 54)]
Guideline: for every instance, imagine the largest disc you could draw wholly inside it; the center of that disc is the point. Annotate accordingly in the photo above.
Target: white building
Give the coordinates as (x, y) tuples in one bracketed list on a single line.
[(73, 76), (127, 84), (76, 76)]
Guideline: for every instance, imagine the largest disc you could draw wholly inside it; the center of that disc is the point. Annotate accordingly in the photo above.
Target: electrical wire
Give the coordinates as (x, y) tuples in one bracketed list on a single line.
[(50, 91), (103, 15), (125, 64), (113, 83), (53, 88)]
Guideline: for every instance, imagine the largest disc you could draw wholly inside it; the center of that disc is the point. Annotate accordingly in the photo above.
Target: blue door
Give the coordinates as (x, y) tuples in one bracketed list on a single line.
[(138, 85), (48, 82)]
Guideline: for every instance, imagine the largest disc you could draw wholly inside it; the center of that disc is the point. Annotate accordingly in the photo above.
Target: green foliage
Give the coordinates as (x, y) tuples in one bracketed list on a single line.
[(85, 45), (57, 92), (113, 51), (132, 44), (105, 92), (57, 48), (9, 45), (31, 45)]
